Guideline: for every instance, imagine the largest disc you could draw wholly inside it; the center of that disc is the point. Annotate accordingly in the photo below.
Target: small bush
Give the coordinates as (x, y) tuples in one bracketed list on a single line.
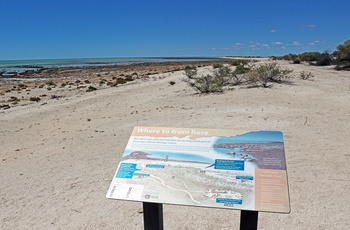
[(91, 88), (217, 65), (242, 69), (343, 56), (343, 65), (5, 106), (304, 75), (172, 82), (121, 80), (190, 72), (324, 59), (296, 61), (237, 62), (309, 56), (129, 78), (51, 83), (223, 75), (263, 74), (36, 99), (206, 84)]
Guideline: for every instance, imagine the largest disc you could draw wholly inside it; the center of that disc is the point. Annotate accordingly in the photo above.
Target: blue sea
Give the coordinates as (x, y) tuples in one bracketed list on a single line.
[(20, 66)]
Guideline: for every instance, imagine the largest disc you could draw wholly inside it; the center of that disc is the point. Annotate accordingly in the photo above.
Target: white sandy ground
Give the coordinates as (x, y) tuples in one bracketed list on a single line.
[(56, 166)]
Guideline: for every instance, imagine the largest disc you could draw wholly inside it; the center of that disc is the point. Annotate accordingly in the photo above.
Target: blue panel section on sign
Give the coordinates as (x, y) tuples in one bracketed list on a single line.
[(228, 201), (126, 170), (244, 178), (229, 164), (155, 166)]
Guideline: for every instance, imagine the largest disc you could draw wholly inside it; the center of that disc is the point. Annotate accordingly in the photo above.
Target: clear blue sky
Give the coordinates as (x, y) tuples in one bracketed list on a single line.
[(42, 29)]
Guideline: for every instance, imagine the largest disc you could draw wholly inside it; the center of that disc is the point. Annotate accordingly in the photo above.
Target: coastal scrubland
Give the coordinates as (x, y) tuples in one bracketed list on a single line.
[(63, 132)]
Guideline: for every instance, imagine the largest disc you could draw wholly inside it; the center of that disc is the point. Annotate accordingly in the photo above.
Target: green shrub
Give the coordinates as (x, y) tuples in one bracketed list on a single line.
[(129, 78), (237, 62), (304, 75), (263, 74), (121, 80), (223, 75), (324, 59), (217, 65), (91, 88), (241, 69), (343, 56), (207, 84), (289, 57), (343, 65), (190, 72), (309, 56), (296, 61), (226, 76), (36, 99)]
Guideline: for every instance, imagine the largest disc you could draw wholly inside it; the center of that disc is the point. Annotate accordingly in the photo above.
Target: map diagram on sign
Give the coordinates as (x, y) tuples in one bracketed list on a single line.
[(197, 167)]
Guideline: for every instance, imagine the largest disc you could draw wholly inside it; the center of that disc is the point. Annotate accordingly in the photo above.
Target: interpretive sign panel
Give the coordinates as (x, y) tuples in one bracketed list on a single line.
[(243, 170)]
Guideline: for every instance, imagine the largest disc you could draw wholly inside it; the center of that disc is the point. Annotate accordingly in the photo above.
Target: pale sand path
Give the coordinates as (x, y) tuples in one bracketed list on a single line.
[(56, 166)]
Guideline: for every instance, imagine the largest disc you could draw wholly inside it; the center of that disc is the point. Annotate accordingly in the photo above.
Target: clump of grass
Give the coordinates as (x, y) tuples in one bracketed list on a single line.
[(217, 65), (13, 99), (190, 72), (129, 77), (51, 83), (91, 88), (305, 75), (237, 62), (36, 99), (296, 61), (5, 106), (121, 80)]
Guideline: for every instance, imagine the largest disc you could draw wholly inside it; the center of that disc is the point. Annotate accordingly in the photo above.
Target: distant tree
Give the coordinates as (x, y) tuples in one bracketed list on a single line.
[(309, 56), (324, 59), (343, 56), (289, 57)]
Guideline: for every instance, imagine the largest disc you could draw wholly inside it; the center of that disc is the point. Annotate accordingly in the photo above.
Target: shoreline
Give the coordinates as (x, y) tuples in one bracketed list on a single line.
[(21, 66), (55, 83)]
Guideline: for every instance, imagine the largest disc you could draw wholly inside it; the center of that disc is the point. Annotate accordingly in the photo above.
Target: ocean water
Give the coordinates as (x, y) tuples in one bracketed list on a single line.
[(20, 66)]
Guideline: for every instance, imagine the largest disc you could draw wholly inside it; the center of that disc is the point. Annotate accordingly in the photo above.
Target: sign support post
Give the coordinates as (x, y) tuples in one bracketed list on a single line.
[(249, 220), (153, 216)]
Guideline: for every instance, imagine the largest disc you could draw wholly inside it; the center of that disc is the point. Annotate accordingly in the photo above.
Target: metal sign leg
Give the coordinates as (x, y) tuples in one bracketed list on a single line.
[(153, 216), (249, 220)]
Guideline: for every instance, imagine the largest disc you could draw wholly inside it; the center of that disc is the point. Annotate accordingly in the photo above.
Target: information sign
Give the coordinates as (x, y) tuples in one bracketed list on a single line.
[(244, 170)]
